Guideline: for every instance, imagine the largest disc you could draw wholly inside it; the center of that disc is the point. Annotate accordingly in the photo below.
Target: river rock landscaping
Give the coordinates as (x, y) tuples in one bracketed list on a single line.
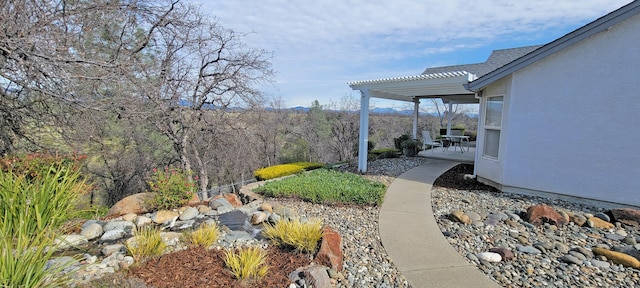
[(523, 241), (364, 263)]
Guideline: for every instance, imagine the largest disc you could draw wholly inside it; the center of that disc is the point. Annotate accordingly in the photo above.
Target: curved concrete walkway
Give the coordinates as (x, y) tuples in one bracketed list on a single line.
[(412, 238)]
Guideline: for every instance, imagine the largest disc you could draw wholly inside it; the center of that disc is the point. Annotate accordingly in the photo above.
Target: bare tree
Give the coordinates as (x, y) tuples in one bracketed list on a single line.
[(156, 61)]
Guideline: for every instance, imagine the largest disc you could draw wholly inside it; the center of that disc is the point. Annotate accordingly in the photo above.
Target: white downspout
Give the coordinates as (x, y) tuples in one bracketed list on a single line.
[(364, 131), (416, 106)]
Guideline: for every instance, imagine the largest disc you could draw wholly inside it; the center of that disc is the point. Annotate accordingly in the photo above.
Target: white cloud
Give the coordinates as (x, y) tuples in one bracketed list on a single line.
[(319, 45)]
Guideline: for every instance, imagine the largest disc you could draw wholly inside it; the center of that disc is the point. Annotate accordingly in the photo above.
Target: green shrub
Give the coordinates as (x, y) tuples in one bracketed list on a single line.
[(398, 141), (146, 242), (173, 187), (356, 147), (282, 170), (247, 263), (277, 171), (326, 186), (309, 165), (385, 153), (303, 236)]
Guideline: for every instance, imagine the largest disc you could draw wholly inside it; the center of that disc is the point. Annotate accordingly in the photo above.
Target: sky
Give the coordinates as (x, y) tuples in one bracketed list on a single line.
[(318, 46)]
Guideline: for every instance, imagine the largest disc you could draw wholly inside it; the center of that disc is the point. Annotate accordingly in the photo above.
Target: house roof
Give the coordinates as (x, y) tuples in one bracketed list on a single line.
[(446, 82), (497, 59), (597, 26)]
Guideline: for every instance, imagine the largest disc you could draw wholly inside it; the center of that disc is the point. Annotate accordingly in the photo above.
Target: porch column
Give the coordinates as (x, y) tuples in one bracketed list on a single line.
[(364, 131), (449, 118), (416, 105)]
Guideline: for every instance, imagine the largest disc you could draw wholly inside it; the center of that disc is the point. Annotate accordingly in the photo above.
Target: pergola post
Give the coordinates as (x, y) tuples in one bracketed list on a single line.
[(449, 118), (364, 131), (416, 106)]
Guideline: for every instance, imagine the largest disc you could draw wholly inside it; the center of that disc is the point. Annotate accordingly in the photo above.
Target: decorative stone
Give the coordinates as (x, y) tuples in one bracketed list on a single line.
[(117, 224), (570, 259), (258, 217), (171, 238), (460, 217), (142, 220), (284, 212), (565, 215), (188, 214), (528, 249), (600, 264), (194, 201), (202, 209), (129, 217), (110, 249), (317, 276), (232, 198), (112, 235), (266, 207), (136, 203), (474, 216), (234, 220), (489, 257), (602, 216), (330, 253), (92, 231), (584, 251), (578, 219), (66, 241), (543, 213), (618, 257), (595, 222), (219, 203), (628, 216), (504, 253), (163, 216), (274, 218)]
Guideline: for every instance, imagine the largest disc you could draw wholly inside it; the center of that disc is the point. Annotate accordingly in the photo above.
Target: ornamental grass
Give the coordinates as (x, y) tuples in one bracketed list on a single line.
[(302, 236), (205, 236), (247, 263)]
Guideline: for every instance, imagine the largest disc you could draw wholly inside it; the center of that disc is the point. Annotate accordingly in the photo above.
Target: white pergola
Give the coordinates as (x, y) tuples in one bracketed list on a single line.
[(449, 86)]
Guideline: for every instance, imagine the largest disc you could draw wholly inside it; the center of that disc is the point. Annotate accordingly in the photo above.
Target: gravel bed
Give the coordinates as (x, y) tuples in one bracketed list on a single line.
[(545, 255)]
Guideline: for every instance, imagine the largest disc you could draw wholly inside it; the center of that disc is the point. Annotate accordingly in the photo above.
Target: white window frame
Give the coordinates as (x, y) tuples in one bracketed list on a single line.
[(492, 127)]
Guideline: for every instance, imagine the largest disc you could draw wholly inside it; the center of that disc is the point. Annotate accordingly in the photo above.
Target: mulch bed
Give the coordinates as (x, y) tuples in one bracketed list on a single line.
[(199, 267), (454, 179)]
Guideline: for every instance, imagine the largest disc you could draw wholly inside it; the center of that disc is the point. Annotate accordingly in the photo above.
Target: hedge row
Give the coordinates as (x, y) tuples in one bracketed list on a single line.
[(277, 171)]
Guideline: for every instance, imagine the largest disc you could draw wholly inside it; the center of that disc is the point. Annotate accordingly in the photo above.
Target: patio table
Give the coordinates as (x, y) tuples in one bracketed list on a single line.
[(457, 137)]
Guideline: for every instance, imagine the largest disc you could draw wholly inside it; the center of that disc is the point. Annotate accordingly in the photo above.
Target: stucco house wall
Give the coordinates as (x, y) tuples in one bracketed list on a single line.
[(571, 121)]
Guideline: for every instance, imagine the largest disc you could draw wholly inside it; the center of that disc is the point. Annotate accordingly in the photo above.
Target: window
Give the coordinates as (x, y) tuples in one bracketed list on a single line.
[(493, 125)]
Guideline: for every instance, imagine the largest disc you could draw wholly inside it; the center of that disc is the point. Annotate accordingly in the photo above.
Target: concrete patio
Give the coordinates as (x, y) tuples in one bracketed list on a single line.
[(451, 154)]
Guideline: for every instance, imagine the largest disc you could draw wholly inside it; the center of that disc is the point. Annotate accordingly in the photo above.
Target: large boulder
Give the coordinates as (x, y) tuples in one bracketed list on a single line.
[(627, 216), (542, 213), (330, 253), (137, 203)]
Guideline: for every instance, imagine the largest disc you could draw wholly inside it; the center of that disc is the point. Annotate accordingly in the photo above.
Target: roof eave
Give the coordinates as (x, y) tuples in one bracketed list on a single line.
[(601, 24)]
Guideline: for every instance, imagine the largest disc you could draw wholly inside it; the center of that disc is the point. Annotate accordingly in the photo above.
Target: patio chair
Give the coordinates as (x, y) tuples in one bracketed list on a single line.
[(427, 141)]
